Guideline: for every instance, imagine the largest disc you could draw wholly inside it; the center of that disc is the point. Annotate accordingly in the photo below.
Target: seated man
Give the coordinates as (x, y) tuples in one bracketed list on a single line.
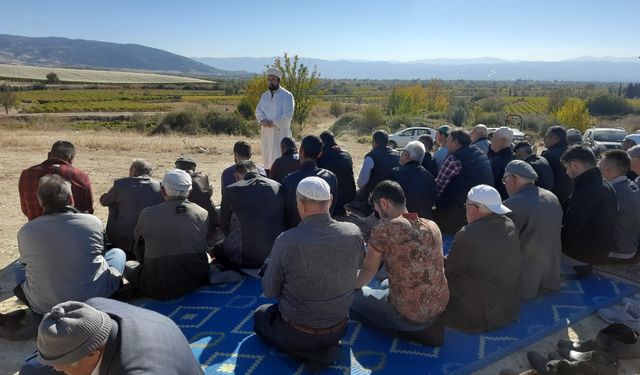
[(251, 217), (429, 163), (289, 160), (335, 159), (463, 168), (441, 140), (201, 190), (418, 185), (241, 152), (126, 199), (103, 336), (537, 215), (376, 167), (312, 272), (614, 167), (416, 291), (62, 251), (59, 161), (502, 155), (589, 221), (310, 149), (483, 266), (524, 151), (634, 154), (480, 138), (171, 243)]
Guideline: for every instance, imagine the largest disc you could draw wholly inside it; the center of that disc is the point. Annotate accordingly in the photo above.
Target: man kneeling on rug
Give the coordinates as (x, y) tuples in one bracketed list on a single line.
[(416, 292), (103, 336), (312, 271)]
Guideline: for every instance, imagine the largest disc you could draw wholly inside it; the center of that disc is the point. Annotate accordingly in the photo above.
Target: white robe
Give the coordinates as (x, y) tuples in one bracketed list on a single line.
[(279, 109)]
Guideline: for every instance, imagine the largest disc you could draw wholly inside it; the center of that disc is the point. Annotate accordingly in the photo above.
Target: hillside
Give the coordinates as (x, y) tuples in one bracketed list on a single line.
[(78, 53), (580, 69)]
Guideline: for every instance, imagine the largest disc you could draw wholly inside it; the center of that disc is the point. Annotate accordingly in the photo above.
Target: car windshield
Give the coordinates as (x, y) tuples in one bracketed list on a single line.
[(610, 135)]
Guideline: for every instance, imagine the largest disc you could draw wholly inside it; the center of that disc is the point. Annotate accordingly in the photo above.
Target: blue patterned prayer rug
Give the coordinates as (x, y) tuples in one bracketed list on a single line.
[(218, 322)]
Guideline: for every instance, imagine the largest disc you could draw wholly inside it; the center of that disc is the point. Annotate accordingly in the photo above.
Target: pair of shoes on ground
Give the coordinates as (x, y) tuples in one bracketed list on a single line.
[(627, 314), (568, 362), (19, 325), (616, 341)]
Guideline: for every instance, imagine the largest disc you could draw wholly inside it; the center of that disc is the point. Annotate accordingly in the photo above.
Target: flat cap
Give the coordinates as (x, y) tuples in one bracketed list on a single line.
[(522, 169)]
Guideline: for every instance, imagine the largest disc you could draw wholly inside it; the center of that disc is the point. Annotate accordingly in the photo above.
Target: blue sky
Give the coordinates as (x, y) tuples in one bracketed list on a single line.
[(400, 30)]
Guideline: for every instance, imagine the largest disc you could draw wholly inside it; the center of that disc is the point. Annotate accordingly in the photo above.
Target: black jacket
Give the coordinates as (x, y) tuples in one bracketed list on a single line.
[(430, 164), (258, 203), (339, 162), (543, 169), (562, 183), (384, 160), (285, 164), (499, 161), (201, 192), (419, 188), (290, 184), (589, 219)]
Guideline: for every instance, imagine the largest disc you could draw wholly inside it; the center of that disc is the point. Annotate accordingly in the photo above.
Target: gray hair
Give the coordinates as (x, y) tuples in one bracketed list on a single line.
[(53, 192), (171, 192), (302, 198), (415, 150), (481, 129), (141, 167), (505, 133)]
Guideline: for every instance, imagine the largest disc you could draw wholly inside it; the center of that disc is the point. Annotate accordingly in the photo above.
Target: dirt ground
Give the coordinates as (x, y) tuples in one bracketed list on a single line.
[(107, 156)]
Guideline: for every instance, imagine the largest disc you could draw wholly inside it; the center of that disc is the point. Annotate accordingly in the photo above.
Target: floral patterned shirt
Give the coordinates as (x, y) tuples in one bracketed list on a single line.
[(411, 249)]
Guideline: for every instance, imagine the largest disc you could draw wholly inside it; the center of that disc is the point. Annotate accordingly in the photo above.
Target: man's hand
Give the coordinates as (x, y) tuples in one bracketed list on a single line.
[(267, 123)]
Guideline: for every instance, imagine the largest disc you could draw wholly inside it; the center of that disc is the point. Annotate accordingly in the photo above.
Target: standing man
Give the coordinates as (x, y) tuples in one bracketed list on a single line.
[(537, 215), (417, 183), (274, 114), (480, 138), (59, 161), (428, 163), (441, 140), (634, 154), (501, 156), (312, 272), (524, 151), (555, 140)]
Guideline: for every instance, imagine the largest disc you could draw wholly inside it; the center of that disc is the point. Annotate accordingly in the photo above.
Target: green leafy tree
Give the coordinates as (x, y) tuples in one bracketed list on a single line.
[(52, 78), (8, 98), (303, 83), (407, 100), (557, 99), (574, 114), (252, 92)]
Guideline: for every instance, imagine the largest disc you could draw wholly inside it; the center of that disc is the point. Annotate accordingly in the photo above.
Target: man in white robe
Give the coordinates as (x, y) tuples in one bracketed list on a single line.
[(274, 114)]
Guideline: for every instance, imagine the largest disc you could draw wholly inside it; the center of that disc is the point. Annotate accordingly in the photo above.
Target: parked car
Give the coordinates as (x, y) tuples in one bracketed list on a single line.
[(404, 136), (602, 139)]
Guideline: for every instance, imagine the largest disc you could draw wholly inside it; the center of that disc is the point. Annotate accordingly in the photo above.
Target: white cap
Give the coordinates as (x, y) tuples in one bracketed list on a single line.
[(488, 197), (314, 188), (177, 179), (274, 72)]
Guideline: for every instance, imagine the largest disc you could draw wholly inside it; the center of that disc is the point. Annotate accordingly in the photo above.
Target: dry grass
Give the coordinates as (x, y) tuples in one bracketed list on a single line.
[(90, 75)]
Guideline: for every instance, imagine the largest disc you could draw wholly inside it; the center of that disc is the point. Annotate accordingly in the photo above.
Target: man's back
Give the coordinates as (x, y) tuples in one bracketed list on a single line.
[(64, 262), (411, 249), (258, 204), (537, 215), (499, 161), (290, 183), (384, 160), (429, 163), (339, 162), (28, 184), (171, 239), (543, 170), (126, 199), (483, 268), (627, 232), (285, 164), (419, 188), (312, 270), (201, 192), (589, 219), (562, 183), (143, 341)]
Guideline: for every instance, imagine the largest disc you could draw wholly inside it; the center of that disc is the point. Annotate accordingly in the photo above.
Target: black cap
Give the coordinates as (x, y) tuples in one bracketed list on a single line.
[(185, 160), (520, 145)]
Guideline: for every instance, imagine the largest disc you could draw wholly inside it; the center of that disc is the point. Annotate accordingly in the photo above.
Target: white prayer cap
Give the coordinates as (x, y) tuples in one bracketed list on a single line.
[(274, 72), (488, 197), (314, 188), (177, 179)]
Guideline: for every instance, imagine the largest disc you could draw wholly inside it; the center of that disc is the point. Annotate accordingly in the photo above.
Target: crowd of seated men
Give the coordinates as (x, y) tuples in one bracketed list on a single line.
[(514, 235)]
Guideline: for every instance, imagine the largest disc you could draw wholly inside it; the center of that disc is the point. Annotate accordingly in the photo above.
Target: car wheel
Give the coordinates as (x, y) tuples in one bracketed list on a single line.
[(392, 144)]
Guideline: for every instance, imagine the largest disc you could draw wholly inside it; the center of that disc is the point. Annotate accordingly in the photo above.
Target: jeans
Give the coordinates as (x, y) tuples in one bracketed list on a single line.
[(373, 307)]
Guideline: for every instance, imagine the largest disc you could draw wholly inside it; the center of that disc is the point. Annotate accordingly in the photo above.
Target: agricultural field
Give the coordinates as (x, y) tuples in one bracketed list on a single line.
[(525, 105), (90, 75)]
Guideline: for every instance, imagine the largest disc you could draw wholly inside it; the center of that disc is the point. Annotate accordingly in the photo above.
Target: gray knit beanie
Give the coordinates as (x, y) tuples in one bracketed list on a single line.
[(70, 332)]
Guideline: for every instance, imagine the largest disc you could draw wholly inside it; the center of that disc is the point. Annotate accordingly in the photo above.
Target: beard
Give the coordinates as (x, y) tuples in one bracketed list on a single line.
[(273, 86)]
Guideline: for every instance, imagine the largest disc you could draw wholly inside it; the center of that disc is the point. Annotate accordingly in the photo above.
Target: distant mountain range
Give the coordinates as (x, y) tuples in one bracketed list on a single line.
[(63, 52), (584, 68)]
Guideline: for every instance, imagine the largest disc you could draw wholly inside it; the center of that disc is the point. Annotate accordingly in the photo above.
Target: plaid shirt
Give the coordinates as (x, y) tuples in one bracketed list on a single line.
[(451, 167), (28, 185)]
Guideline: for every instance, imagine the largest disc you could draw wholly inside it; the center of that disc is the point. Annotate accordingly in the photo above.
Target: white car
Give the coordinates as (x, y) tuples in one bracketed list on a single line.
[(404, 136)]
